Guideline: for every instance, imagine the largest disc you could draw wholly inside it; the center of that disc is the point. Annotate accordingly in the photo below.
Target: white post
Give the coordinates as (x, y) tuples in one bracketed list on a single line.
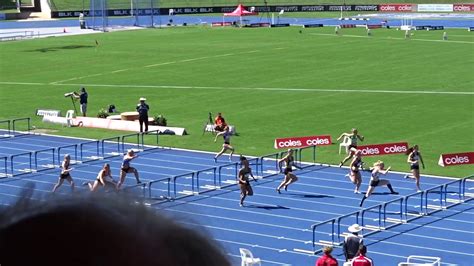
[(273, 18), (131, 7)]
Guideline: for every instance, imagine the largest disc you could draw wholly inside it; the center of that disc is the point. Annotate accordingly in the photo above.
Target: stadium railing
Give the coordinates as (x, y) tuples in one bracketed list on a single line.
[(403, 212)]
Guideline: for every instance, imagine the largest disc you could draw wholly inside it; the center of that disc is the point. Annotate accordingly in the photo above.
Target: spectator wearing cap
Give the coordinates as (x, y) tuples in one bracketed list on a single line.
[(361, 259), (142, 109), (326, 259), (82, 100), (352, 242)]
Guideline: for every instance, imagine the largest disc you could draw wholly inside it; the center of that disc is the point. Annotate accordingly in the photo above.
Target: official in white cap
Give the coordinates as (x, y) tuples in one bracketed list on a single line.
[(142, 109), (352, 242)]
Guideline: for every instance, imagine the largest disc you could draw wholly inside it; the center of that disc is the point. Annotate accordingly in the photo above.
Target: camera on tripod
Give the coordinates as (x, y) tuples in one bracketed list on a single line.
[(70, 94)]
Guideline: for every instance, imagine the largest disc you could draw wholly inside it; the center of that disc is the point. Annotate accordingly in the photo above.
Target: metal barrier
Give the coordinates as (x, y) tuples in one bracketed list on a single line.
[(339, 219), (8, 129), (407, 212), (379, 220), (114, 152), (14, 121), (433, 207), (236, 168), (139, 139), (5, 170), (74, 146), (152, 132), (181, 176), (270, 157), (29, 170), (300, 156), (384, 207), (314, 226), (48, 166), (256, 164), (159, 181), (213, 169), (92, 158), (459, 193)]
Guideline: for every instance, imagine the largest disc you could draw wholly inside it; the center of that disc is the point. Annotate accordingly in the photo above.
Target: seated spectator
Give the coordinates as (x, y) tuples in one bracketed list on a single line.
[(326, 259), (219, 123), (361, 259), (352, 242), (90, 229)]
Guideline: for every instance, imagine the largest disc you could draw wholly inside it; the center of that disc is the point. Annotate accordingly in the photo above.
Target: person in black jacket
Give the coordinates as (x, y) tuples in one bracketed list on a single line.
[(352, 242), (82, 96), (142, 109)]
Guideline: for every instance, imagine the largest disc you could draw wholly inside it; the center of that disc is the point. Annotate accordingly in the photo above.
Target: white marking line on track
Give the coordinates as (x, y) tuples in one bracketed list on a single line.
[(120, 70), (244, 88), (76, 78), (388, 38)]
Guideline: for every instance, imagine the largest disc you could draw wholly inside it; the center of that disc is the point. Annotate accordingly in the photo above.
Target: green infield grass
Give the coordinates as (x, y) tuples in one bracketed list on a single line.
[(269, 83)]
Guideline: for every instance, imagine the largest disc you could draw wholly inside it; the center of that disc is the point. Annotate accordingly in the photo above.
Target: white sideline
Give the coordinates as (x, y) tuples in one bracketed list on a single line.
[(243, 88)]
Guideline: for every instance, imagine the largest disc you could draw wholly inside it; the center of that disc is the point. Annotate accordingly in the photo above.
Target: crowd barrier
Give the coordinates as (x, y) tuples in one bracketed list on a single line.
[(381, 211)]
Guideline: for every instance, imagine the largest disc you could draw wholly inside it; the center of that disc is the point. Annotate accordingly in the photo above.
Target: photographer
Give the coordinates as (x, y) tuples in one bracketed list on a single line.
[(82, 100), (142, 109)]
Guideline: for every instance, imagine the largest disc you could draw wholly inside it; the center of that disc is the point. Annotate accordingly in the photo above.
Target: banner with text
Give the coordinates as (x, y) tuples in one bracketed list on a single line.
[(397, 8), (463, 8), (456, 159), (383, 149), (300, 142), (435, 8)]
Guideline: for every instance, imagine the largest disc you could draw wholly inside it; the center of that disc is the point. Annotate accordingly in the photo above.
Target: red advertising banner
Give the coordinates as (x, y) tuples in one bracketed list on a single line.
[(463, 7), (383, 149), (397, 8), (456, 159), (300, 142)]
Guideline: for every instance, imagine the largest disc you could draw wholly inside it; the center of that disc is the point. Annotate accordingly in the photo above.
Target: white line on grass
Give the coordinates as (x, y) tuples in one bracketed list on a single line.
[(246, 88), (388, 38)]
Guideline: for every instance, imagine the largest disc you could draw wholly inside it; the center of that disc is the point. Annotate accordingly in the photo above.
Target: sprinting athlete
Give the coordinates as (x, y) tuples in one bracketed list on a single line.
[(104, 178), (244, 183), (226, 146), (355, 168), (376, 182), (414, 159), (65, 173), (126, 168), (354, 137), (289, 160)]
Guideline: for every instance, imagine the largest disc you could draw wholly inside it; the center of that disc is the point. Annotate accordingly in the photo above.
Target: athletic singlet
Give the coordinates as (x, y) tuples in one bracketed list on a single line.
[(64, 166), (126, 162), (289, 162), (374, 176), (107, 178), (245, 173), (358, 163), (226, 137), (353, 140), (415, 156)]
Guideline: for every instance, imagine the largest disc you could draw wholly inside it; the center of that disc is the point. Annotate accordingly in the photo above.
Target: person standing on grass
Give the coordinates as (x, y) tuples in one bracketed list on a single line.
[(414, 159), (361, 259), (376, 182), (244, 183), (126, 168), (226, 146), (326, 259), (355, 167), (354, 137), (219, 123), (104, 178), (289, 161), (65, 173), (82, 100), (142, 109)]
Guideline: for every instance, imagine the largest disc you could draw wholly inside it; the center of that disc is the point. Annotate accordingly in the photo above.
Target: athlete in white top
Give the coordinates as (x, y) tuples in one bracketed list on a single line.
[(414, 159), (226, 146), (103, 179), (354, 137), (376, 182)]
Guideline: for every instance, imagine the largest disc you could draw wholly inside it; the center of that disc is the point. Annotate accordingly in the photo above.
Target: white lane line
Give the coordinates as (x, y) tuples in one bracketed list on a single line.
[(244, 88), (161, 64), (120, 70), (76, 78)]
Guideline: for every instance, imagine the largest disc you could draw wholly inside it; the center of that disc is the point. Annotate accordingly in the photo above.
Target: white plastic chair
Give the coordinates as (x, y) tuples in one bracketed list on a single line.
[(421, 261), (345, 143), (247, 258)]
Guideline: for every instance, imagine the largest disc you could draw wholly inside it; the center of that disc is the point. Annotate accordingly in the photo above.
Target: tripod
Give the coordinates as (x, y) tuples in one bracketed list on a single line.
[(73, 103), (267, 9)]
